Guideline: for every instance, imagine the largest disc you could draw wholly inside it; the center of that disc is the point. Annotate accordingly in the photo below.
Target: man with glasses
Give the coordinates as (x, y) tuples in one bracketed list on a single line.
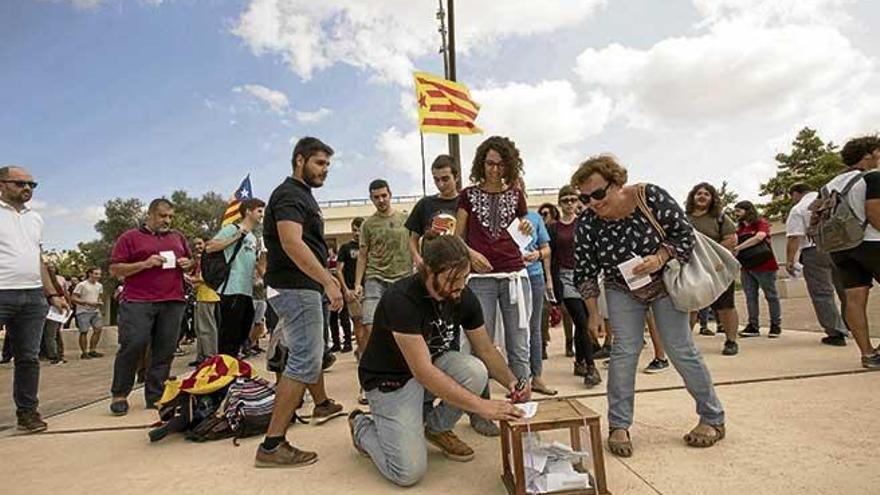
[(25, 287)]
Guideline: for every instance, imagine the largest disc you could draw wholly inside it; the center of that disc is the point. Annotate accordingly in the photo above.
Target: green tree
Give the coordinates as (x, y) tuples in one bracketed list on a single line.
[(198, 217), (811, 161), (727, 198)]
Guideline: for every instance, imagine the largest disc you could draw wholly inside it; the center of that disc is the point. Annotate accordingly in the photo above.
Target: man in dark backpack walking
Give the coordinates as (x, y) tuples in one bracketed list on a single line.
[(860, 266)]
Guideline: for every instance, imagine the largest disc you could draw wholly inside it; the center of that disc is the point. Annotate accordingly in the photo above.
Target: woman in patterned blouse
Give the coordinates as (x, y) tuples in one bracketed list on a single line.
[(612, 231), (499, 277)]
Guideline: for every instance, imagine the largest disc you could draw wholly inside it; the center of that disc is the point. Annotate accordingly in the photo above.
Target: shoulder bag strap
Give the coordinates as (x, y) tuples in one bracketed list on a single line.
[(235, 251), (643, 205)]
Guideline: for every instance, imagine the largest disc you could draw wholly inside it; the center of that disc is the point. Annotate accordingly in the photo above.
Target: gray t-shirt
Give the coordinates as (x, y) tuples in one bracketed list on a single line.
[(88, 292)]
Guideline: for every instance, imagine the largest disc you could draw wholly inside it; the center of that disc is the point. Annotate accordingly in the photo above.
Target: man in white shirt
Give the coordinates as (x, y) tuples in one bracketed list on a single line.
[(859, 267), (25, 286), (818, 268), (89, 298)]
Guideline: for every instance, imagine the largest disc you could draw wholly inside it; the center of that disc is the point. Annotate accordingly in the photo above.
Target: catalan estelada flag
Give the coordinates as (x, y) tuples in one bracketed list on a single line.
[(243, 192), (445, 106)]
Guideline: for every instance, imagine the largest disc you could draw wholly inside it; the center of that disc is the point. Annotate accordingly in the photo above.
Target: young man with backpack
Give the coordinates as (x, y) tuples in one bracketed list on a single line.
[(817, 267), (239, 246), (846, 223), (704, 212)]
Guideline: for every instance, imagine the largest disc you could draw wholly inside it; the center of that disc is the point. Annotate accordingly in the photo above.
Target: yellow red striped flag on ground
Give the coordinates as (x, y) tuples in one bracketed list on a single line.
[(445, 106), (243, 192)]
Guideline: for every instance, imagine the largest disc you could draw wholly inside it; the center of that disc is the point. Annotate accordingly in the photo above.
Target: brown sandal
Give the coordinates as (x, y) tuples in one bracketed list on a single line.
[(702, 440), (620, 448), (541, 388)]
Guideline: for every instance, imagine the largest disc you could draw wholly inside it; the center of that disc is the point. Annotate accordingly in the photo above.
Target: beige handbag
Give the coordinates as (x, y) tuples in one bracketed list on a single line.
[(699, 282)]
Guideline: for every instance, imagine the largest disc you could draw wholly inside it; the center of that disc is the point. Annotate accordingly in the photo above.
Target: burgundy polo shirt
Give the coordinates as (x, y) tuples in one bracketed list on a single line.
[(153, 284)]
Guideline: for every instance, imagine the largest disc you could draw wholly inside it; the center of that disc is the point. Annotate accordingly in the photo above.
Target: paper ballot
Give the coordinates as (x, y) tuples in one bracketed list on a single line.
[(633, 281), (57, 315), (521, 239), (170, 259), (549, 466), (529, 409)]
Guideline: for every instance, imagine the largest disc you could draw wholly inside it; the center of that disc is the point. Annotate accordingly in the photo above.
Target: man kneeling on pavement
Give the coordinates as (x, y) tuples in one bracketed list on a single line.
[(413, 358)]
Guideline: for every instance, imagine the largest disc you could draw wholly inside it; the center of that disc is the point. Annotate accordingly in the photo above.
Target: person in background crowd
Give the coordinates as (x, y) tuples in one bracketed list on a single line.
[(751, 232), (152, 259), (54, 351), (703, 209), (383, 256), (346, 267), (447, 175), (205, 319), (550, 214), (236, 295), (613, 230), (499, 278), (562, 248), (88, 296), (26, 291), (859, 267), (537, 255), (296, 269), (818, 269)]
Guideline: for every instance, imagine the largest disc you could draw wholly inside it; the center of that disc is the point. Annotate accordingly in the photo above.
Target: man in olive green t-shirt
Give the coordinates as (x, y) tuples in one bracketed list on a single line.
[(384, 256)]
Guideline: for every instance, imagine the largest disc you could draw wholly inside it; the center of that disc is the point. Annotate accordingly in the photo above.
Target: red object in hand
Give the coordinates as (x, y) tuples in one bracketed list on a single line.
[(555, 315)]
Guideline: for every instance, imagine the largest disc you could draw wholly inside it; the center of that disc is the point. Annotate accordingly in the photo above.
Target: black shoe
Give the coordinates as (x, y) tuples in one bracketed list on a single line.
[(345, 349), (335, 348), (604, 352), (592, 377), (749, 331), (871, 362), (5, 360), (775, 331), (731, 348), (835, 340), (30, 422), (328, 361), (119, 407), (705, 331), (580, 368), (85, 355), (657, 366)]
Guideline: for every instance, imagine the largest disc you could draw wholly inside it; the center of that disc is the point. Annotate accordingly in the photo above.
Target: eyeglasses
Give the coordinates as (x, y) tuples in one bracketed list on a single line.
[(598, 195), (488, 164), (21, 183), (568, 201)]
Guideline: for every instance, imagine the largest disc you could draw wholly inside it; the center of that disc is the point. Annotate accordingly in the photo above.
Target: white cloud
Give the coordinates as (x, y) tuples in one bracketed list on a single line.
[(276, 100), (764, 12), (385, 37), (312, 117), (89, 214)]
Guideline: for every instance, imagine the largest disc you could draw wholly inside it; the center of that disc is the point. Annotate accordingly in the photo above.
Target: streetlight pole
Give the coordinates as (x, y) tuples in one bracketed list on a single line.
[(454, 143)]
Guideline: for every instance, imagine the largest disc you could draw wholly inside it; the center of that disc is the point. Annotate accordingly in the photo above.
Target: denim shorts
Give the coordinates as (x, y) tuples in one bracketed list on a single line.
[(374, 289), (88, 321), (301, 319)]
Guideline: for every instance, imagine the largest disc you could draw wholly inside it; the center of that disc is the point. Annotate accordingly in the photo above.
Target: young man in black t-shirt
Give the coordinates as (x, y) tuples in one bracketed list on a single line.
[(346, 265), (297, 269), (413, 358), (446, 172)]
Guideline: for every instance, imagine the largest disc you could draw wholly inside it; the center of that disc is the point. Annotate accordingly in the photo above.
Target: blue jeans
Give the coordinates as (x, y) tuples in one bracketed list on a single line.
[(23, 311), (301, 319), (751, 281), (394, 434), (628, 320), (536, 340), (496, 292), (374, 289)]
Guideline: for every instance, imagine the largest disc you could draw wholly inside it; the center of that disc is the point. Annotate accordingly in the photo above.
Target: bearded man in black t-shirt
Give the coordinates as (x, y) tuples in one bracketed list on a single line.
[(413, 357)]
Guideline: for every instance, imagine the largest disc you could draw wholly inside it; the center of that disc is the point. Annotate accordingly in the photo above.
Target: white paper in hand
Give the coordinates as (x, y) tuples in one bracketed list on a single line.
[(529, 409), (633, 281), (519, 238), (170, 259), (57, 315)]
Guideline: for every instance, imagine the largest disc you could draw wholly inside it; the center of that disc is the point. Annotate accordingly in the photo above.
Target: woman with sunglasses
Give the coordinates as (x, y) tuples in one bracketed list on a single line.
[(562, 245), (612, 231), (499, 277)]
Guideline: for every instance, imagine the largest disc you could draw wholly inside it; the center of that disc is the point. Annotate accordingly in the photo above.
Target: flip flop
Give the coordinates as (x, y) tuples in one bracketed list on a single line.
[(543, 389), (620, 448)]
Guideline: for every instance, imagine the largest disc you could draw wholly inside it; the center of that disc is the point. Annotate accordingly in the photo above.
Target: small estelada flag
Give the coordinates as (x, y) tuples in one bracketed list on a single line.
[(445, 107), (243, 192)]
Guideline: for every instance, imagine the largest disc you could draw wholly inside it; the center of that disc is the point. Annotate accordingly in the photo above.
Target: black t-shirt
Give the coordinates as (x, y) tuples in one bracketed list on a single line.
[(426, 209), (293, 201), (406, 307), (348, 254)]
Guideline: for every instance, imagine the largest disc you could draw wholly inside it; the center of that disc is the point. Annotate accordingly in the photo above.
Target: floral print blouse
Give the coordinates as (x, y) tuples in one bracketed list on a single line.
[(601, 245)]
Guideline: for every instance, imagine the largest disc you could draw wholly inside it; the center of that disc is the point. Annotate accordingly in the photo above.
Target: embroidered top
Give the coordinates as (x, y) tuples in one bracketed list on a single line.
[(489, 215)]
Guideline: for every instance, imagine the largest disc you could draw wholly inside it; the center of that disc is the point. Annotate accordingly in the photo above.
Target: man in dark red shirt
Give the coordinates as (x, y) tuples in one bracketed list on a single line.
[(151, 259)]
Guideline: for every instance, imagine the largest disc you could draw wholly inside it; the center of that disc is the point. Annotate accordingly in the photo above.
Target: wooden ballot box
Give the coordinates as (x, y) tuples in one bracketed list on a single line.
[(556, 414)]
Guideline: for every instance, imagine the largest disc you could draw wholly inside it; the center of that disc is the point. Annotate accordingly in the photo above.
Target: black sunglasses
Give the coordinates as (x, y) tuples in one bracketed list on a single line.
[(598, 195), (21, 183)]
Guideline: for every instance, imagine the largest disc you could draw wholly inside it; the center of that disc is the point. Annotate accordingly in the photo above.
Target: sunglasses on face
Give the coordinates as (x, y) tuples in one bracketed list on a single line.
[(21, 183), (568, 201), (598, 195)]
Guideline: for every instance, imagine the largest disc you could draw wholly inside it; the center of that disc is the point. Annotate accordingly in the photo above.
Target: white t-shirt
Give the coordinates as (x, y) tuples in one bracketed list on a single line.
[(88, 292), (21, 233), (856, 196), (799, 220)]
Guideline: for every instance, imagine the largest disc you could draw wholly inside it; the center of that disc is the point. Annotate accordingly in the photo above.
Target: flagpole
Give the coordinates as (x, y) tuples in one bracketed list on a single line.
[(424, 187), (454, 143)]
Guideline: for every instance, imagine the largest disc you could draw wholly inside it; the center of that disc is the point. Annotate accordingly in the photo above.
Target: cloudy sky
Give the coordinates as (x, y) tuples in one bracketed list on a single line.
[(136, 98)]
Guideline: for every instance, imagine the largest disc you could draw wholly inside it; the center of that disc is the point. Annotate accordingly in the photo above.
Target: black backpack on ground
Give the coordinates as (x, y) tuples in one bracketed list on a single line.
[(215, 268)]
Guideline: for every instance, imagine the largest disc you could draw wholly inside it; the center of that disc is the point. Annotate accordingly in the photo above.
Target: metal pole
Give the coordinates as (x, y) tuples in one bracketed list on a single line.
[(424, 186), (454, 143)]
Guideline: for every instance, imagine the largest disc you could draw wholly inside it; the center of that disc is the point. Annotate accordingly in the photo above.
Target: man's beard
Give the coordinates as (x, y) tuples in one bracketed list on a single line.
[(310, 180)]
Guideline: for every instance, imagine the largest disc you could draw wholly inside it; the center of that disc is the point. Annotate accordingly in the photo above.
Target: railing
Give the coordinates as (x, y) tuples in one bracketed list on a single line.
[(341, 203)]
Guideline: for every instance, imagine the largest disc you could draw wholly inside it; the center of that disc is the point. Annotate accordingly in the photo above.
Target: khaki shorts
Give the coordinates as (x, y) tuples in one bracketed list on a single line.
[(355, 309)]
